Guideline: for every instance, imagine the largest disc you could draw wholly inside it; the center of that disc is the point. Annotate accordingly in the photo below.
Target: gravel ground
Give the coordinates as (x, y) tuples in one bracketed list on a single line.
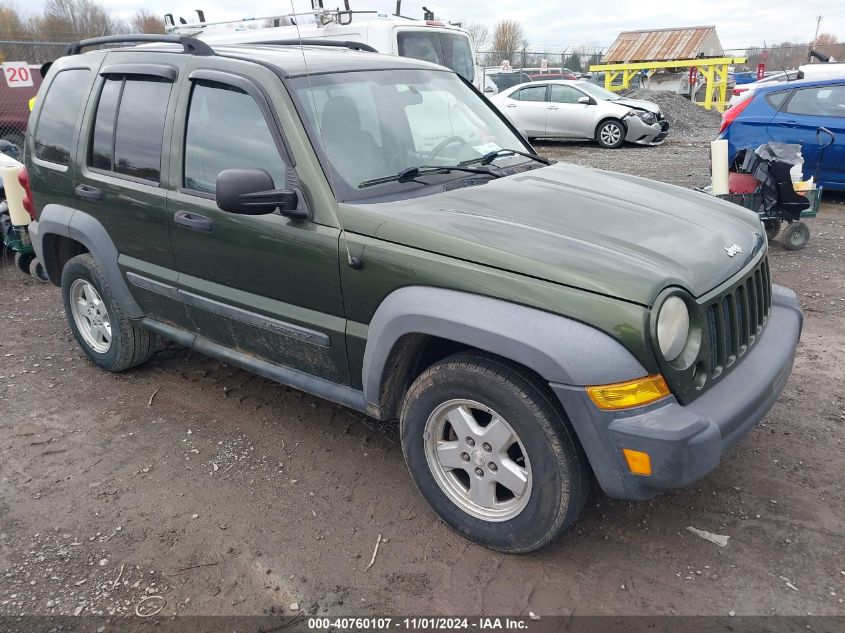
[(224, 493)]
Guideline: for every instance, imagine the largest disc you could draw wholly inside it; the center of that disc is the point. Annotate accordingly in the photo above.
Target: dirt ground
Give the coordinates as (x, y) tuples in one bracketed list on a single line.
[(225, 493)]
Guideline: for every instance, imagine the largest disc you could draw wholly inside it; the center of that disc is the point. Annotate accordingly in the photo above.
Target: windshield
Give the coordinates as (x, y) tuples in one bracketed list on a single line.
[(376, 124), (446, 49), (504, 81), (598, 92)]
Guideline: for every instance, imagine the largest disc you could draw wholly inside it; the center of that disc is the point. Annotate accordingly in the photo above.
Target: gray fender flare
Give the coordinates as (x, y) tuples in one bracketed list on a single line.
[(559, 349), (77, 225)]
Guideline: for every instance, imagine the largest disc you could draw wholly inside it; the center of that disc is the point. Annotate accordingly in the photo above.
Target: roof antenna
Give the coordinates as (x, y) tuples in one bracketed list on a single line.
[(354, 262)]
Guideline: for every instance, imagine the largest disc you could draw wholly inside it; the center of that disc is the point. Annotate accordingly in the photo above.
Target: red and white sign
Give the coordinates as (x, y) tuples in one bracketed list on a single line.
[(17, 74), (544, 64), (506, 65), (693, 75), (761, 71)]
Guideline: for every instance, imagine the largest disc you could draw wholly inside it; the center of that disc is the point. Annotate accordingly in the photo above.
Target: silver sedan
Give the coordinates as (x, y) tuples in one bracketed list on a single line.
[(581, 110)]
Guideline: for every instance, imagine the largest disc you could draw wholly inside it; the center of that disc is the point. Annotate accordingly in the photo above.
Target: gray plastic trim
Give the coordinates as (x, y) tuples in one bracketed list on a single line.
[(559, 349), (341, 394), (225, 310), (79, 226), (165, 290)]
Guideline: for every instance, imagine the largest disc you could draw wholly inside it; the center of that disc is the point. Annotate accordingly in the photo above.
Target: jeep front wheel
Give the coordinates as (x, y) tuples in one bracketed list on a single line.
[(98, 324), (492, 453)]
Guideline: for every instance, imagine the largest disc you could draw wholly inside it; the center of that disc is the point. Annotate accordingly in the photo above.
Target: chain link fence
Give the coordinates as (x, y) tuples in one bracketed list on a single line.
[(553, 58), (22, 61)]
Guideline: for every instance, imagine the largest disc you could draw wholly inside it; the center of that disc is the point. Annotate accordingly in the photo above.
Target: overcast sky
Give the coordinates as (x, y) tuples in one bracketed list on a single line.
[(557, 23)]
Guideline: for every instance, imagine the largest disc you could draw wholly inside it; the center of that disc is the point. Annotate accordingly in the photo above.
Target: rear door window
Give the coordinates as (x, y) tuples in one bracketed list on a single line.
[(102, 146), (129, 126), (531, 93), (54, 135), (820, 101)]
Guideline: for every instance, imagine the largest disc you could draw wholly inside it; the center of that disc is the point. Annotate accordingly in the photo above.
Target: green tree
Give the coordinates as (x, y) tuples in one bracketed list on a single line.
[(574, 63)]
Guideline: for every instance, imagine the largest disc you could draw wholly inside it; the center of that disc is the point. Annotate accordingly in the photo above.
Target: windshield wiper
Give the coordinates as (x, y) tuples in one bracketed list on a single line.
[(489, 157), (412, 173)]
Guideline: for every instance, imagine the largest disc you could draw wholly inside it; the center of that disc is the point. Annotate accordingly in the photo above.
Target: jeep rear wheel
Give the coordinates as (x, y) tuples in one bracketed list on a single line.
[(98, 324), (492, 453)]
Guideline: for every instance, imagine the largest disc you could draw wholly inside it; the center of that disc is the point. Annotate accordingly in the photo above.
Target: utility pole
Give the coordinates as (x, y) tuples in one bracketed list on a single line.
[(815, 38)]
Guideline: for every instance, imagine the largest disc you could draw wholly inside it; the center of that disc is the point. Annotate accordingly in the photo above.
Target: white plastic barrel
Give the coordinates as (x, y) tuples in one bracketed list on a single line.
[(9, 169), (719, 166)]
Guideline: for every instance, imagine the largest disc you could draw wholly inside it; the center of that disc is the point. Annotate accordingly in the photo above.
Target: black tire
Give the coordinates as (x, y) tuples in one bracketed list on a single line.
[(130, 345), (560, 474), (772, 228), (604, 130), (37, 271), (796, 236), (22, 261)]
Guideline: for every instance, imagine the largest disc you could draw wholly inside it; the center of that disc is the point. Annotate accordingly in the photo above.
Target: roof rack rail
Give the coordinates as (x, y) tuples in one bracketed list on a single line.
[(355, 46), (190, 45)]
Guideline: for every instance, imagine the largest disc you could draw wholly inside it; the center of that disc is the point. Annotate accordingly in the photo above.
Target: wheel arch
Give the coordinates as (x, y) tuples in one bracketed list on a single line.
[(61, 233), (417, 325), (605, 119)]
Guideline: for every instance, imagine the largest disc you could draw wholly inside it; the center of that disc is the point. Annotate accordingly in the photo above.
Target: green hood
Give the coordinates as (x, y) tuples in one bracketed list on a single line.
[(604, 232)]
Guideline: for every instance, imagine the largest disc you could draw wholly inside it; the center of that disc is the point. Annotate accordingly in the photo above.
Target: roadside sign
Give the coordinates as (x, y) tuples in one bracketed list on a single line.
[(17, 74), (693, 75), (506, 65), (544, 64), (761, 71)]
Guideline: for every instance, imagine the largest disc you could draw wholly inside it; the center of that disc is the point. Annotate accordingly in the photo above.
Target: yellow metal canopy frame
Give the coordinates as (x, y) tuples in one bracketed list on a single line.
[(714, 70)]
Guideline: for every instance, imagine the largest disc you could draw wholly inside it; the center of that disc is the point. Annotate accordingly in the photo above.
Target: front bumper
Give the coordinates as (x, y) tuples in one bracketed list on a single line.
[(643, 134), (685, 443)]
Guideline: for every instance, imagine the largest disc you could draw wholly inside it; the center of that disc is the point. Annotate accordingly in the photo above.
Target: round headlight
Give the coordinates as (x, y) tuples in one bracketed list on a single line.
[(672, 327)]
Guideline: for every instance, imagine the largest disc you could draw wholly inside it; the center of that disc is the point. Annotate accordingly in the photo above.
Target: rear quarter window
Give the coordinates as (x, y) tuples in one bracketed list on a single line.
[(776, 99), (56, 128)]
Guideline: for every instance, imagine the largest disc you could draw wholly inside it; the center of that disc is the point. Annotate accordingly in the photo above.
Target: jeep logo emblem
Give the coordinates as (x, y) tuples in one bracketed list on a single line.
[(733, 249)]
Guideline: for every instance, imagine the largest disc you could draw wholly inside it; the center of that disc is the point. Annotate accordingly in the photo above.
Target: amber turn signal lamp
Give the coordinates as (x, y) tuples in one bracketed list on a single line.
[(639, 463), (633, 393)]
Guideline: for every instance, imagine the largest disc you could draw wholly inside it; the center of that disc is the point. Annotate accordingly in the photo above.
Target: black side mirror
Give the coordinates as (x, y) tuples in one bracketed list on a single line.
[(251, 192)]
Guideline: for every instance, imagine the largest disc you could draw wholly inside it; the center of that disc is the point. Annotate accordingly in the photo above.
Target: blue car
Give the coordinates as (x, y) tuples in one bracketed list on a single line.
[(793, 112)]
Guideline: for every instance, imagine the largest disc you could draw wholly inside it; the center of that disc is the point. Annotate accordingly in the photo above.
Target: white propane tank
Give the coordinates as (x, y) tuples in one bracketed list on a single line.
[(9, 169)]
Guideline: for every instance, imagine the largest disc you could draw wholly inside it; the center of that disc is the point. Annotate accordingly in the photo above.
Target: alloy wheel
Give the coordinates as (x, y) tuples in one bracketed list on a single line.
[(478, 460), (610, 134), (90, 315)]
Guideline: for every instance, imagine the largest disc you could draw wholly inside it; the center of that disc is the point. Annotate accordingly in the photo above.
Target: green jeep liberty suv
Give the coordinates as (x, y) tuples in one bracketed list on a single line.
[(369, 229)]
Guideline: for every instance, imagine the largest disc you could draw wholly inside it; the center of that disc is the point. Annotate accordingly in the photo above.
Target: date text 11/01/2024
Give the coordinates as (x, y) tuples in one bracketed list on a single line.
[(419, 623)]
